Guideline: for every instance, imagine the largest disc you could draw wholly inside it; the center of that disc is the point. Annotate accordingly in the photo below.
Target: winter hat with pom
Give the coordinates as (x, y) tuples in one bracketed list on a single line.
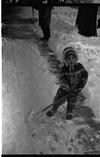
[(69, 51)]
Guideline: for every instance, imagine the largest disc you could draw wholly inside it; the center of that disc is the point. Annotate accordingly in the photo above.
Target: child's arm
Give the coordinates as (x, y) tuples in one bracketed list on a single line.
[(62, 76), (74, 91), (83, 80)]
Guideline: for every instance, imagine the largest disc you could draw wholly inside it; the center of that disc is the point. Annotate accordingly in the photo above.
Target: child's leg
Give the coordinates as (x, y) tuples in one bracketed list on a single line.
[(59, 94), (70, 106)]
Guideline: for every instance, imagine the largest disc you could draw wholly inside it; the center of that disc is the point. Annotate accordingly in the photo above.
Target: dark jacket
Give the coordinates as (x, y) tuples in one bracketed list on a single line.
[(74, 77)]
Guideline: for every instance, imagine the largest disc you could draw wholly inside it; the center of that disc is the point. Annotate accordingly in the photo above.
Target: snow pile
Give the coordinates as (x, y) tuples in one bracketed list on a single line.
[(55, 135), (68, 16), (62, 20), (89, 55)]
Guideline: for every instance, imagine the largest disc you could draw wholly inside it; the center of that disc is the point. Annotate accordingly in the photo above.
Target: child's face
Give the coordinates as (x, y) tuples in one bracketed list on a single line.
[(71, 60)]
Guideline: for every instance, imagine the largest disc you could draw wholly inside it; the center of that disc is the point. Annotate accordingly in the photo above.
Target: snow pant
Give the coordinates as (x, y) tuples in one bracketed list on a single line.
[(86, 20), (46, 31), (70, 100), (99, 23), (44, 20)]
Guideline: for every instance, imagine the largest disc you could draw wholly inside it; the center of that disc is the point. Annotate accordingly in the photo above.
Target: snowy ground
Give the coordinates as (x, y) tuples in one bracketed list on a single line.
[(30, 83)]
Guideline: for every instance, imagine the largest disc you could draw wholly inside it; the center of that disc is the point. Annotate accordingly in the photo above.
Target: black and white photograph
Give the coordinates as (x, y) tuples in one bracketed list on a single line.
[(50, 77)]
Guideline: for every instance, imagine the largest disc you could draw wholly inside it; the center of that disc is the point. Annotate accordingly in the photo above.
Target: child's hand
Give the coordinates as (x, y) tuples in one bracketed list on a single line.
[(78, 90), (71, 95), (74, 92), (65, 87)]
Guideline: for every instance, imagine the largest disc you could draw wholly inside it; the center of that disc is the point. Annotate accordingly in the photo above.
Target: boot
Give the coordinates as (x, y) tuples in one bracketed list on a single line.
[(44, 39), (69, 116), (51, 112)]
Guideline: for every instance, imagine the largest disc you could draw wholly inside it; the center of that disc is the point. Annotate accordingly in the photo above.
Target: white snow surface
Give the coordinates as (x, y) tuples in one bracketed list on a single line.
[(28, 86)]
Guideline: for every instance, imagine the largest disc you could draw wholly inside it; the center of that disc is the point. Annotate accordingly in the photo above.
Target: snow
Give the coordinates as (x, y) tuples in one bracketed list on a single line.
[(29, 86), (98, 32)]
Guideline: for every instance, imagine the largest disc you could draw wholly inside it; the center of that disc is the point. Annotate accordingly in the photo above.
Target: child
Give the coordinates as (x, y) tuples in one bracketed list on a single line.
[(73, 77)]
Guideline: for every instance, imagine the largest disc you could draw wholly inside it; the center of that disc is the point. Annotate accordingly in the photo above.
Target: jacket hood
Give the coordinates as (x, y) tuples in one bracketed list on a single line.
[(69, 51)]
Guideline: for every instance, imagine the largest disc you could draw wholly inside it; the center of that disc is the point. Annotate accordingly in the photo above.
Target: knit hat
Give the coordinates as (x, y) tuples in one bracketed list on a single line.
[(69, 51)]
